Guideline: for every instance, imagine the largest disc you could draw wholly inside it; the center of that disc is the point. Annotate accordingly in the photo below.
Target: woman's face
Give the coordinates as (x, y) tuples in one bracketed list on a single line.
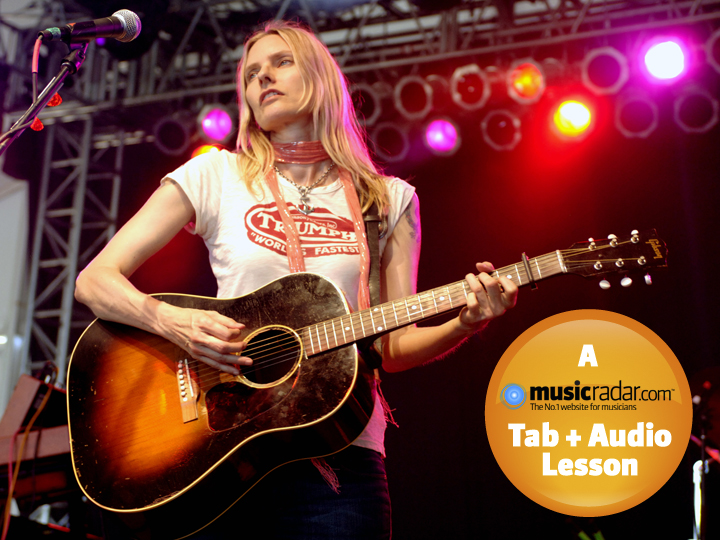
[(274, 90)]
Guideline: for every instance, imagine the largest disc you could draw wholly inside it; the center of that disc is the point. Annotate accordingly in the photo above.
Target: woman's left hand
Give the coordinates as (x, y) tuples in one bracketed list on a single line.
[(489, 298)]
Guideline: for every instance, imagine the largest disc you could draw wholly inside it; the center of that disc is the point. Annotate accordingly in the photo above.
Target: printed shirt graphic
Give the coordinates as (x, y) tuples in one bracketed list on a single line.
[(244, 235), (322, 233)]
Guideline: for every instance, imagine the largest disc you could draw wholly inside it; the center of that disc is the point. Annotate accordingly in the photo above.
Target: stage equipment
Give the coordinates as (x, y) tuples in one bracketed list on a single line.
[(636, 115), (368, 105), (526, 81), (216, 123), (390, 141), (440, 92), (605, 70), (173, 133), (442, 137), (501, 130), (123, 25), (712, 50), (664, 59), (413, 97), (572, 120), (470, 87), (695, 110)]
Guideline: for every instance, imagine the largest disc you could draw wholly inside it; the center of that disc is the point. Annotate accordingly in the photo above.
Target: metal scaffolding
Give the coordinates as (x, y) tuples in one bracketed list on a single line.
[(194, 55)]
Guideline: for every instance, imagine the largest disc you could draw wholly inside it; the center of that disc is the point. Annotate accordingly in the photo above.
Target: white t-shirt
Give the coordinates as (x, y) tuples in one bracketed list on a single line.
[(244, 234)]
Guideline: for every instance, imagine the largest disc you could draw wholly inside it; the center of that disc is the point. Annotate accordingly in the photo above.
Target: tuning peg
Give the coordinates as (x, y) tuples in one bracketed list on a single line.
[(626, 281), (605, 285), (613, 240), (648, 279), (634, 236)]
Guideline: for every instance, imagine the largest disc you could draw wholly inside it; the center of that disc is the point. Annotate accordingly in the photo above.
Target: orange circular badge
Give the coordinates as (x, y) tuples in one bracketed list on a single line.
[(588, 413)]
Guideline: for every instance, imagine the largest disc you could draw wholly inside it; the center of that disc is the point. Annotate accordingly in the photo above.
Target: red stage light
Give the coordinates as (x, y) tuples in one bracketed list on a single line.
[(204, 149), (572, 119), (526, 82)]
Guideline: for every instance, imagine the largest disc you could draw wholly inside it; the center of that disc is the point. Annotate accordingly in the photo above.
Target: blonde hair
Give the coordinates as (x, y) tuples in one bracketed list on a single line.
[(326, 95)]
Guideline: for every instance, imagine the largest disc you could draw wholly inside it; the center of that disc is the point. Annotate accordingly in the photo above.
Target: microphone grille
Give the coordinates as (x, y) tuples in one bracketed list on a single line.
[(131, 24)]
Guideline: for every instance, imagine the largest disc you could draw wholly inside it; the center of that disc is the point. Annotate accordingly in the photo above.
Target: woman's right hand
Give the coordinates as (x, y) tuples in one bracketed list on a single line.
[(208, 336)]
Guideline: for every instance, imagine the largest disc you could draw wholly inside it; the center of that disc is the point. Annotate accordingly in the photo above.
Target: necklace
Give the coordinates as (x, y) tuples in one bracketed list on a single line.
[(304, 207)]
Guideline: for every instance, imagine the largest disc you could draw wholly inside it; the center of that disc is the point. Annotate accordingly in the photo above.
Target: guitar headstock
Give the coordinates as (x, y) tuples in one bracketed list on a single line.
[(636, 251)]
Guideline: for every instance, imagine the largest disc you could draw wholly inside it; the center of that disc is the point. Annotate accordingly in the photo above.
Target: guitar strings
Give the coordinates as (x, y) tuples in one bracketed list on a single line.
[(543, 262)]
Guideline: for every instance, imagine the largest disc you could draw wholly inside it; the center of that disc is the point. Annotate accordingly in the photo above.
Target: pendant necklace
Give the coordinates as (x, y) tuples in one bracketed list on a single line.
[(305, 207)]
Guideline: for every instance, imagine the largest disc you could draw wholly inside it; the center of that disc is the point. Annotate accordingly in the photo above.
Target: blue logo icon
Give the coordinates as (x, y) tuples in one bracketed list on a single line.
[(513, 396)]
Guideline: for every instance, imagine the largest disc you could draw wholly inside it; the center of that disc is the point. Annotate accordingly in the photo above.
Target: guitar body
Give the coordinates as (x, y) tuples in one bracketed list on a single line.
[(169, 465)]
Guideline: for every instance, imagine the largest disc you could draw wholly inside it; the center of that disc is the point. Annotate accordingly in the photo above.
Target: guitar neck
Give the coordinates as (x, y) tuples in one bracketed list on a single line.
[(389, 316)]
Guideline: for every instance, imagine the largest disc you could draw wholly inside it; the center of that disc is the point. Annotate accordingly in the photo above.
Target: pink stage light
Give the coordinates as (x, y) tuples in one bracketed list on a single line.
[(216, 124), (665, 60), (442, 137)]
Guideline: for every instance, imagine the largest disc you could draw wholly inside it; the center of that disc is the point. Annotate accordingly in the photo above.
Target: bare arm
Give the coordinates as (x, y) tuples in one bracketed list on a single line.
[(104, 285), (412, 346)]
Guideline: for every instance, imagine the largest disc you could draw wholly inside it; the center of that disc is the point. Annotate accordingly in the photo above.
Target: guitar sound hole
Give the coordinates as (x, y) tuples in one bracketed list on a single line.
[(275, 352)]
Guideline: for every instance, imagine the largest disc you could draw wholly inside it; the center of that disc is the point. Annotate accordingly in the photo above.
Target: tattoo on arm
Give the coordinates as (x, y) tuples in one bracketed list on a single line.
[(412, 215)]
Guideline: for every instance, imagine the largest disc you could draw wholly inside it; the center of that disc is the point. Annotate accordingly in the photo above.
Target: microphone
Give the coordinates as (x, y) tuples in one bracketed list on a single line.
[(123, 25)]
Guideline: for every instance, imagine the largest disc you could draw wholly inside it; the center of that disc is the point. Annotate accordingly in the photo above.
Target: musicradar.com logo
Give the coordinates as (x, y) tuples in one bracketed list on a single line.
[(595, 393), (610, 434), (513, 396)]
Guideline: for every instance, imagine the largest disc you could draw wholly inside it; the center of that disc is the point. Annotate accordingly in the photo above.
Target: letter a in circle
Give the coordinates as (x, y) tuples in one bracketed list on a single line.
[(587, 355)]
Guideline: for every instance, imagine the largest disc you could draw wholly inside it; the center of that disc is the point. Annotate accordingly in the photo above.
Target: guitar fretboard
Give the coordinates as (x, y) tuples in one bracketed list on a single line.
[(389, 316)]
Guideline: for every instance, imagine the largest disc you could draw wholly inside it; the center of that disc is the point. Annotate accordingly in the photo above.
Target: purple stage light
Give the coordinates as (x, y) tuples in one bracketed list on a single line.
[(216, 124), (665, 60), (442, 137)]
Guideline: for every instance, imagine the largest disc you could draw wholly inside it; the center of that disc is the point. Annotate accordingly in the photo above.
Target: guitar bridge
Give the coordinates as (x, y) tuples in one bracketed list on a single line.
[(187, 392)]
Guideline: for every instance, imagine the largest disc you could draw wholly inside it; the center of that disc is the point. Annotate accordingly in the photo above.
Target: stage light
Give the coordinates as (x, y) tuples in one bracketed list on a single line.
[(173, 133), (470, 87), (695, 111), (442, 137), (215, 123), (572, 119), (636, 116), (712, 50), (664, 59), (390, 142), (501, 130), (525, 81), (367, 102), (605, 70), (440, 92), (413, 97), (204, 149)]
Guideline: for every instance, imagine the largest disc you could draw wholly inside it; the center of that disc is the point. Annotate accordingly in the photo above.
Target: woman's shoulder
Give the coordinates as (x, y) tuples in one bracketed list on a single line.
[(398, 188)]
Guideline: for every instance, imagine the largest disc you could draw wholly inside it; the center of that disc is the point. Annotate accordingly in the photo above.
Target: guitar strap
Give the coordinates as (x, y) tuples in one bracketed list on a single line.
[(372, 231)]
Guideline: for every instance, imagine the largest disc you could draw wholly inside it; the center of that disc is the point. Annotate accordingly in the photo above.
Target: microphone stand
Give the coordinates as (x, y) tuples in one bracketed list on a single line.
[(70, 65), (700, 469)]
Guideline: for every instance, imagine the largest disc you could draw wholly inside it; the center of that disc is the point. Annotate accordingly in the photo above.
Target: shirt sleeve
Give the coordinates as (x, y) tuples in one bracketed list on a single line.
[(400, 194), (201, 179)]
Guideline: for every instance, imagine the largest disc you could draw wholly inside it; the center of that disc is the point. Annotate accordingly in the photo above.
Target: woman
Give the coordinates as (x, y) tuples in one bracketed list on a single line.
[(286, 202)]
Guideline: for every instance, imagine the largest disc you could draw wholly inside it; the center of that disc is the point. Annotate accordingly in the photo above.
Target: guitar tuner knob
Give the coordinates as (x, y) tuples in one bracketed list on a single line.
[(605, 284), (634, 232), (626, 281), (634, 236), (648, 279), (613, 240)]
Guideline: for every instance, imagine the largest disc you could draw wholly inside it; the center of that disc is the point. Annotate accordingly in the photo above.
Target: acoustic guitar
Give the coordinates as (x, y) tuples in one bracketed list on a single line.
[(170, 443)]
